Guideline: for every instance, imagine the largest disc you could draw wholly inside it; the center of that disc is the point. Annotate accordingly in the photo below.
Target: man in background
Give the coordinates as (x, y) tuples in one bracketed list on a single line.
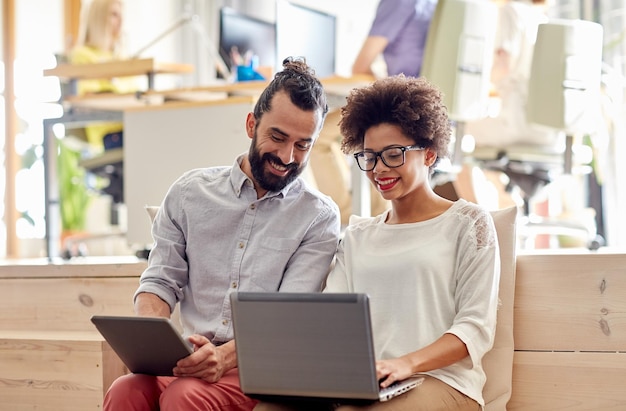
[(398, 32)]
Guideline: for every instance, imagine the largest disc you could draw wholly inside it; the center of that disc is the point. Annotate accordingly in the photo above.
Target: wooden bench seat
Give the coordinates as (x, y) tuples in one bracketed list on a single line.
[(569, 381), (55, 370), (570, 332), (569, 328), (51, 356)]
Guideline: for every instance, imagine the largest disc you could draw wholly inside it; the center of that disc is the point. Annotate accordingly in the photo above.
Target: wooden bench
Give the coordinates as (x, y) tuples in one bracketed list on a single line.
[(570, 332), (51, 356)]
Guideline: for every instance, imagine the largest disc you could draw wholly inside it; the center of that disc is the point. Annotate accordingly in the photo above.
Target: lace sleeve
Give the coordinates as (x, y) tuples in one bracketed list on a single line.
[(483, 233)]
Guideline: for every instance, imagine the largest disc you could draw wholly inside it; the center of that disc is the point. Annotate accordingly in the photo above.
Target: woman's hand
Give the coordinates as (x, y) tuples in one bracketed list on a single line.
[(446, 350), (390, 371)]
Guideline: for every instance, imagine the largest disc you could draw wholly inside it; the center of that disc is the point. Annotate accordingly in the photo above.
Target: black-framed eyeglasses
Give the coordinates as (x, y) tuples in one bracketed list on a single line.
[(392, 157)]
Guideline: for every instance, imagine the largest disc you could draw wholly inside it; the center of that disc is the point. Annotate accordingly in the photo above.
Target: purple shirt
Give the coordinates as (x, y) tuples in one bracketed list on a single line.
[(404, 23)]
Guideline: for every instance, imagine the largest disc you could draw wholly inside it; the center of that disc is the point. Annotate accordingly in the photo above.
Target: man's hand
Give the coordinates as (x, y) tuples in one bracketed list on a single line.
[(208, 362)]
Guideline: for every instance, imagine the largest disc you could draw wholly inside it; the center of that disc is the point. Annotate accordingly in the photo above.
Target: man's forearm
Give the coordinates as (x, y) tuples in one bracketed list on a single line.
[(150, 305)]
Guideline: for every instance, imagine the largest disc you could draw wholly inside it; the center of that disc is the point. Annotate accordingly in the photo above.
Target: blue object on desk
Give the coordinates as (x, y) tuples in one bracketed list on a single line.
[(247, 73)]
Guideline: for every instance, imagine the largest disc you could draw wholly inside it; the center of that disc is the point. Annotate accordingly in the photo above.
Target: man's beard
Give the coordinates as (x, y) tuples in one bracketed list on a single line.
[(265, 179)]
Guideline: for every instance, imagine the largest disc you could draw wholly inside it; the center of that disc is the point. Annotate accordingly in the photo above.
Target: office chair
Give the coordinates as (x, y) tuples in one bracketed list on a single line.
[(458, 58), (563, 93)]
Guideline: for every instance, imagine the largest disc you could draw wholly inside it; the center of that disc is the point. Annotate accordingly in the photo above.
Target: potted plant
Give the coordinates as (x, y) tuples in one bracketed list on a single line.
[(73, 191)]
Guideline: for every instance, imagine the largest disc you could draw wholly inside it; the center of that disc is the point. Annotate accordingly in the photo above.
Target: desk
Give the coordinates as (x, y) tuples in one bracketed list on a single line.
[(76, 115), (122, 68)]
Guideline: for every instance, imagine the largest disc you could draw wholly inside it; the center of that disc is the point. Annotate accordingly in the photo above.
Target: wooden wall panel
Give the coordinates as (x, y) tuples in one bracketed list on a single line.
[(571, 302)]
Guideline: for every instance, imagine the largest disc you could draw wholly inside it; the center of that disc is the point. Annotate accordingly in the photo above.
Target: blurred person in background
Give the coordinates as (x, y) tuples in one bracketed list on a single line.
[(398, 33), (100, 41)]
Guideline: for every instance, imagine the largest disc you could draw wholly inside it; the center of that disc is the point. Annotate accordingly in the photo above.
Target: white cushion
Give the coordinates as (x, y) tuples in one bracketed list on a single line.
[(498, 363), (152, 211)]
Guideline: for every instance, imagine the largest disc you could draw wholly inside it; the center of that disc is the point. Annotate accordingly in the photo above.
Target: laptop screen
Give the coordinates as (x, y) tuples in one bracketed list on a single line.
[(305, 345)]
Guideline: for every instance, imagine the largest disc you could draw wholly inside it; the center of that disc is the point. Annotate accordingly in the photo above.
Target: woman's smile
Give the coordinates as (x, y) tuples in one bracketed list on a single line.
[(385, 184)]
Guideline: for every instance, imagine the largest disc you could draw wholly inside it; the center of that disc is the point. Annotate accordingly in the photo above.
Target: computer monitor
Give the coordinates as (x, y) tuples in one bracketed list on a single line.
[(246, 33), (302, 31)]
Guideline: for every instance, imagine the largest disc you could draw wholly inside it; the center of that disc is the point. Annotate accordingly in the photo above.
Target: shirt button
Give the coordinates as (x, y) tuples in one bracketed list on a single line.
[(241, 244), (224, 321), (252, 206), (234, 284)]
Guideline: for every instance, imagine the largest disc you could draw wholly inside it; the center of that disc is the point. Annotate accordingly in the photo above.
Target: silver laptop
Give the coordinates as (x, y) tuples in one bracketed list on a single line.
[(308, 345)]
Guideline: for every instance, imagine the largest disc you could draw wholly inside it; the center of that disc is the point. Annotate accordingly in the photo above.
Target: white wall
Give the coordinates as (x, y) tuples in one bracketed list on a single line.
[(145, 21), (33, 14), (34, 50)]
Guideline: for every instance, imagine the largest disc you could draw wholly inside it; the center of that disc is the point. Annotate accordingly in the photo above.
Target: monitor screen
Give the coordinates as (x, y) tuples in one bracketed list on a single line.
[(301, 31), (246, 34)]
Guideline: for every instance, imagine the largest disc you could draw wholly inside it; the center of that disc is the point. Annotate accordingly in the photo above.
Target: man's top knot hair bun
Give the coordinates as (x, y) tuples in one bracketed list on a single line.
[(297, 64), (298, 80)]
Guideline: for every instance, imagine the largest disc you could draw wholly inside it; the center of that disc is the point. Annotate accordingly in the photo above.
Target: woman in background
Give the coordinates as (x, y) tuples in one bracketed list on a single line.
[(100, 42)]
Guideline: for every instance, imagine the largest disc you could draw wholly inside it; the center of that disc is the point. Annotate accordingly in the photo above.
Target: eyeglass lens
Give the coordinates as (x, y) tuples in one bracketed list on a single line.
[(392, 157)]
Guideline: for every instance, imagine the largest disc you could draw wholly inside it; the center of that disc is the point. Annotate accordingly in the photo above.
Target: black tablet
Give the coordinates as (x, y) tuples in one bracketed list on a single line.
[(146, 345)]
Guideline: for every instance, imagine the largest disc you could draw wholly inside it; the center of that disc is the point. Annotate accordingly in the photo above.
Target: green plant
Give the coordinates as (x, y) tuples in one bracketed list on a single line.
[(73, 192)]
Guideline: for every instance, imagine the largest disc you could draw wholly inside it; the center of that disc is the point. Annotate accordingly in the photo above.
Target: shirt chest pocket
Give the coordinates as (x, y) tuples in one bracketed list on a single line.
[(269, 261)]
